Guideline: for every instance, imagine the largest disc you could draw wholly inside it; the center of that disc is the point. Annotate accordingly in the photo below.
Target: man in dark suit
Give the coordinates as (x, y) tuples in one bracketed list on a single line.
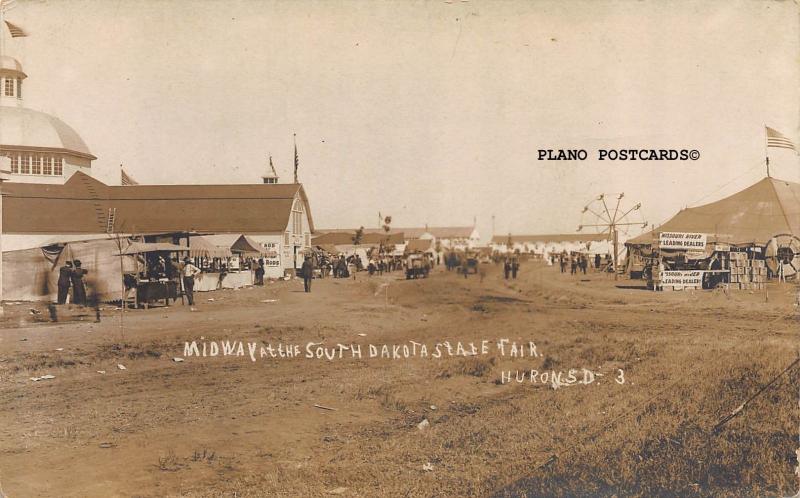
[(307, 271), (64, 281)]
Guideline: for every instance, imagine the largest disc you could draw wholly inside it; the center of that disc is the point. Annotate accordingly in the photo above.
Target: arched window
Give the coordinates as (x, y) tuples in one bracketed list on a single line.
[(297, 217)]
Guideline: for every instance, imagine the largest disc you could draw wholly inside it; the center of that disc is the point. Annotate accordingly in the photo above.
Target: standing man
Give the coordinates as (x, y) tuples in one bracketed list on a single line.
[(189, 271), (64, 279), (260, 272), (78, 288), (514, 267), (307, 270), (506, 268)]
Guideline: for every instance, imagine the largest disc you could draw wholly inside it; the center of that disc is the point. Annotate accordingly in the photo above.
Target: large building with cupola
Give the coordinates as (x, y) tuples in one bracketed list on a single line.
[(52, 204), (42, 148)]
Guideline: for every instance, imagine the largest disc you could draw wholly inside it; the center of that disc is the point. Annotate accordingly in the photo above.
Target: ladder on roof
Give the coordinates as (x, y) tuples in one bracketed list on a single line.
[(112, 213)]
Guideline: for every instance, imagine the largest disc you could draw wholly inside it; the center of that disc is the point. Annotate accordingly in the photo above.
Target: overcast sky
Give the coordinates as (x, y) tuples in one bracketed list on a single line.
[(431, 112)]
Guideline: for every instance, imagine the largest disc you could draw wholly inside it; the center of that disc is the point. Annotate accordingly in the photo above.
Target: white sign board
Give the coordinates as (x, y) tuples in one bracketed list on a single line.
[(682, 240), (272, 258), (689, 278)]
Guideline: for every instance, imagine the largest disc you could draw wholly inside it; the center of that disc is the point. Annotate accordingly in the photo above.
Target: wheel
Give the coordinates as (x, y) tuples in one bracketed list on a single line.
[(782, 254)]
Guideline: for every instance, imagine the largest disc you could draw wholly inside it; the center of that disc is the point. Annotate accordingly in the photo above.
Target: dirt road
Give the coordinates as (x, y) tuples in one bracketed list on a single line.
[(667, 368)]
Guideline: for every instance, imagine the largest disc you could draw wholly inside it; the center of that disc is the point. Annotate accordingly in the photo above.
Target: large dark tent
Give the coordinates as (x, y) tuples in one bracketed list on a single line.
[(752, 216)]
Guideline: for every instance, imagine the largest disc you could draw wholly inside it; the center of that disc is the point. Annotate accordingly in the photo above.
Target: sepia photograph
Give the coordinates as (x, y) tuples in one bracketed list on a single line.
[(402, 248)]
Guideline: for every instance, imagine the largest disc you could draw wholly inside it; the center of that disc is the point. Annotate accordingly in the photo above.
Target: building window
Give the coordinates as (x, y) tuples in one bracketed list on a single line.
[(19, 88), (36, 165), (297, 217), (32, 164), (9, 87), (297, 223)]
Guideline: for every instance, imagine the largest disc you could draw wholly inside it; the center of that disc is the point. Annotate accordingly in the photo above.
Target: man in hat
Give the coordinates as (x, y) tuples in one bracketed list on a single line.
[(260, 272), (307, 271), (188, 272), (64, 278)]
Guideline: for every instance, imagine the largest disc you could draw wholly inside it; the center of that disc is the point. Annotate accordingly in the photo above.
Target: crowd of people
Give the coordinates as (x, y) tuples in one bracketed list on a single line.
[(579, 262), (342, 266), (158, 267)]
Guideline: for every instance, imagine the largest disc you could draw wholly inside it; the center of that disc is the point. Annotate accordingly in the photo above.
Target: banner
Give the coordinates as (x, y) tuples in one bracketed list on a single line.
[(272, 257), (682, 240), (682, 278)]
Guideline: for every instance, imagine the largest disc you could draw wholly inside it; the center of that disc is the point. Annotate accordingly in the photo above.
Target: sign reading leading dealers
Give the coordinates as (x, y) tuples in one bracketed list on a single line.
[(683, 277), (682, 240)]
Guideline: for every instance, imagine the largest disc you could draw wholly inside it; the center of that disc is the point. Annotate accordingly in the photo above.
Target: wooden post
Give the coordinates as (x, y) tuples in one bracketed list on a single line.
[(3, 162), (616, 250)]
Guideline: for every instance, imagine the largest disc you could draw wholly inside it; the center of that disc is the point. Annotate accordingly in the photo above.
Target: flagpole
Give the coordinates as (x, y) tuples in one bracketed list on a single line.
[(766, 148), (296, 160), (2, 26)]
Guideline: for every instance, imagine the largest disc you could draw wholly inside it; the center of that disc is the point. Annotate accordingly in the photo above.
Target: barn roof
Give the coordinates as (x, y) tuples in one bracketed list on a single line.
[(551, 238), (414, 232), (82, 205), (368, 238)]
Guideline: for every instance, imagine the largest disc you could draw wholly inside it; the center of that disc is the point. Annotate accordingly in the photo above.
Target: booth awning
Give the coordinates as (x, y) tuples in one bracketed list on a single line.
[(200, 247), (245, 244), (140, 247)]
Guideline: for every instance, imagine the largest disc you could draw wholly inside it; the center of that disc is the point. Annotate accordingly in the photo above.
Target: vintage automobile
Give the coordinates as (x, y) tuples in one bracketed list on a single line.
[(417, 265)]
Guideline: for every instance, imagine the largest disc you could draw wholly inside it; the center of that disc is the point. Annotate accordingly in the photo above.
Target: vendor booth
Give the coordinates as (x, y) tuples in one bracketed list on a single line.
[(738, 242), (227, 261), (156, 276)]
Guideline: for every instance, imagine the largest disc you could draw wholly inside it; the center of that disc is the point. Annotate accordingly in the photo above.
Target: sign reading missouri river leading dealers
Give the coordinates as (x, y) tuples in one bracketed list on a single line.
[(682, 240)]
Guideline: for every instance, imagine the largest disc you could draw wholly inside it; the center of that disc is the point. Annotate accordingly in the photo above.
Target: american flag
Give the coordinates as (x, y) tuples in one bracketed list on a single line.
[(776, 139), (296, 161), (125, 179), (16, 31)]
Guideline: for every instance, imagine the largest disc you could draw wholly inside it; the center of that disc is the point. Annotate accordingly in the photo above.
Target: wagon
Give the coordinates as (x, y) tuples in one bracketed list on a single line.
[(417, 266)]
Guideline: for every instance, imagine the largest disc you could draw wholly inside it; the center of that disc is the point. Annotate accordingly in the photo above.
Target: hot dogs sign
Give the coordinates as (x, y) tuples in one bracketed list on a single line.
[(687, 241)]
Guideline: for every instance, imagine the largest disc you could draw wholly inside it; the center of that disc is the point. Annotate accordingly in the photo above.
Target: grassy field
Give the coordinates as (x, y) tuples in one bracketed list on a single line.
[(230, 426)]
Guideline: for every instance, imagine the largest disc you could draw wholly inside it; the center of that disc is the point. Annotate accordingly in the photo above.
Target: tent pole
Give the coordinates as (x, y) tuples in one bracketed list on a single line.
[(122, 292), (616, 248), (766, 149)]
